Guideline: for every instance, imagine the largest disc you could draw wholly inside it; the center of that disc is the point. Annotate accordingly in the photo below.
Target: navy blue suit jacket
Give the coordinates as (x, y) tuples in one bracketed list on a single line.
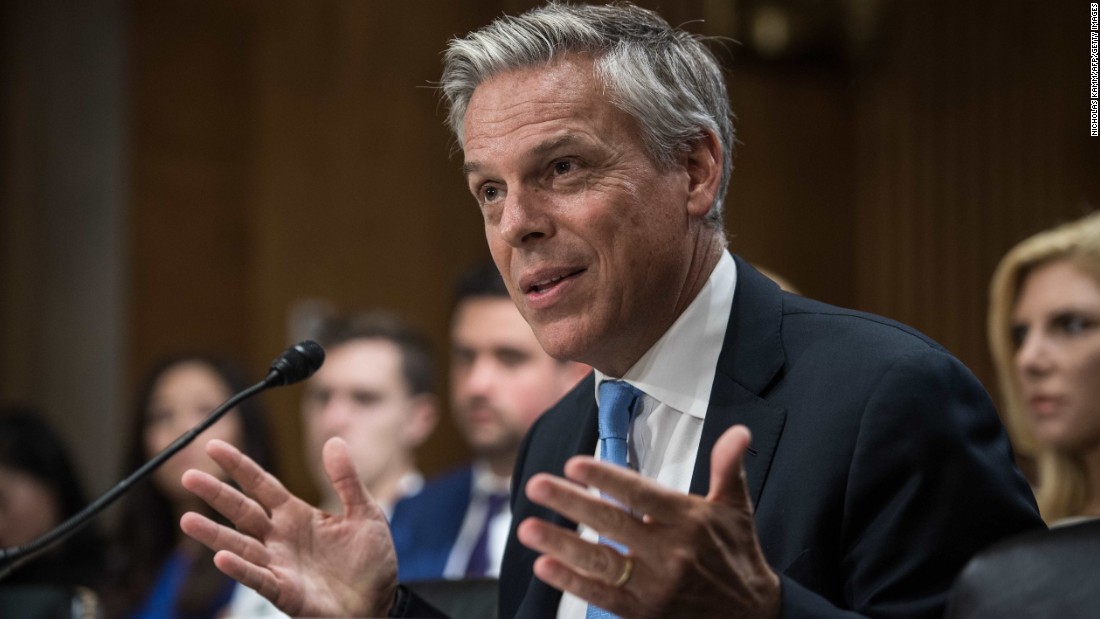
[(426, 525), (878, 465)]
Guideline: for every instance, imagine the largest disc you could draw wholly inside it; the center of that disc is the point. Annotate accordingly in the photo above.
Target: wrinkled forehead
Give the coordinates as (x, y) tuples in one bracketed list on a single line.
[(498, 91)]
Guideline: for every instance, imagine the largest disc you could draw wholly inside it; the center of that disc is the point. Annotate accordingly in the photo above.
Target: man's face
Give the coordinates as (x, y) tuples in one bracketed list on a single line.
[(593, 238), (501, 378), (361, 395)]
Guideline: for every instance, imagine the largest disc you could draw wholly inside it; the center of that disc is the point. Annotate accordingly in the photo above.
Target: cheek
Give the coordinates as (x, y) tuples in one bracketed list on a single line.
[(531, 398), (1088, 386), (228, 429), (377, 430), (1082, 364), (499, 249), (156, 439)]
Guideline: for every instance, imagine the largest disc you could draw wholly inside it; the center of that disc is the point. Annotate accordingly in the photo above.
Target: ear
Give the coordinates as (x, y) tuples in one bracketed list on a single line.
[(703, 164), (423, 417)]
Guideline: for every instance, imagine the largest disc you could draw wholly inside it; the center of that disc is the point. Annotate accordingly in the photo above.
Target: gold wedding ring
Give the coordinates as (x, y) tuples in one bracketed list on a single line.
[(628, 569)]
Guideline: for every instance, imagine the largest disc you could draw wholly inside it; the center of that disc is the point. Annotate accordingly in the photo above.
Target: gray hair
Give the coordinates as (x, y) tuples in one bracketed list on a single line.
[(664, 77)]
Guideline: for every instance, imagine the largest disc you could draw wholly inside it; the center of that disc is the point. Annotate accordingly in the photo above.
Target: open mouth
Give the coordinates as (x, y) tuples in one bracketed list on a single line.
[(549, 282)]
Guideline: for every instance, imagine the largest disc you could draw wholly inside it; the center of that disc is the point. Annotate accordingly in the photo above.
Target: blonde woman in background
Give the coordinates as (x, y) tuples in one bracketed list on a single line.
[(1044, 332)]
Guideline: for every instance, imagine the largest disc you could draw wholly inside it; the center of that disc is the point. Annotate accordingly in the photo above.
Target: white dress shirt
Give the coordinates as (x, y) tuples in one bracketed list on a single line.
[(675, 376), (485, 482)]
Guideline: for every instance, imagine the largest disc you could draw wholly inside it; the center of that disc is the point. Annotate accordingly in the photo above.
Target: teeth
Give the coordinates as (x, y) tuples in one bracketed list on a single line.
[(538, 286)]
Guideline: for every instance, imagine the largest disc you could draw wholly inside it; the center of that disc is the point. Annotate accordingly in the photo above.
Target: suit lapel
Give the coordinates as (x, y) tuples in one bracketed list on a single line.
[(752, 357), (581, 424)]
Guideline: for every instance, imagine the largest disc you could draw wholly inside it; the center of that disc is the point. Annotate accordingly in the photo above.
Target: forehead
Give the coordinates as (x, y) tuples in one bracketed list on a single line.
[(492, 322), (510, 108), (362, 360), (1057, 284), (187, 376)]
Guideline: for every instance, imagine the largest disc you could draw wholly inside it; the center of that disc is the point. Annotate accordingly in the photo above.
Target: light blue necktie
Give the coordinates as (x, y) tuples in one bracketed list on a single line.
[(617, 402)]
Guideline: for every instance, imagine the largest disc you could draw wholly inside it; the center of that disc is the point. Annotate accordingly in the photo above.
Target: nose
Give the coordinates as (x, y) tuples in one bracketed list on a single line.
[(479, 377), (1033, 356), (335, 414), (525, 217)]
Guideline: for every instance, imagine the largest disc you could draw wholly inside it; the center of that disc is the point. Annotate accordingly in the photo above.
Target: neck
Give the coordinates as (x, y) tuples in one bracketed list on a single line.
[(623, 353), (388, 489), (502, 464)]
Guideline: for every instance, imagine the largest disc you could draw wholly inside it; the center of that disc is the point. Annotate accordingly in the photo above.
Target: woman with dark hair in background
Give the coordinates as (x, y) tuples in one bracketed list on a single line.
[(39, 490), (159, 572)]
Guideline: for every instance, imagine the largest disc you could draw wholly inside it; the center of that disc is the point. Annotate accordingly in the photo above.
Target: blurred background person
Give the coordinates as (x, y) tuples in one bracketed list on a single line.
[(1044, 331), (376, 390), (158, 572), (39, 489), (501, 381)]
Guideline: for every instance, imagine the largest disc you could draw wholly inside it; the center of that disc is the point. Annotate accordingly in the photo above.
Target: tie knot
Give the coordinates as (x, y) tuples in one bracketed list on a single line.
[(617, 399)]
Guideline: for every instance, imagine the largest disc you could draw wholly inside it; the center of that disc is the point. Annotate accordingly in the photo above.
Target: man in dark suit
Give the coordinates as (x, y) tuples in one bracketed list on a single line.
[(597, 142)]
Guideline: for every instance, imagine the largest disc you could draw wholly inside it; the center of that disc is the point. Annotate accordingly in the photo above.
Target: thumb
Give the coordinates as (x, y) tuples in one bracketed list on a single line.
[(344, 479), (727, 475)]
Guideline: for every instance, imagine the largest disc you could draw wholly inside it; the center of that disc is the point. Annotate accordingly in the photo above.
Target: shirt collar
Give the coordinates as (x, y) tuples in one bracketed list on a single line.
[(678, 370), (486, 481)]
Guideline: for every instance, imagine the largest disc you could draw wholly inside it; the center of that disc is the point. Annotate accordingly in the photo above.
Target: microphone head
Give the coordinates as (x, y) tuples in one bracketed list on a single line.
[(297, 363)]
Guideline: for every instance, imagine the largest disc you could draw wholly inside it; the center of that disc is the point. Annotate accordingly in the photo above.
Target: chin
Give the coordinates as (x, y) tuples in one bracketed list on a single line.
[(563, 342), (1058, 440)]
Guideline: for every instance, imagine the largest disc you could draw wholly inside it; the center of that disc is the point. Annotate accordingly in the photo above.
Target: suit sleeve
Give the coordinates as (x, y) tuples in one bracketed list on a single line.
[(409, 604), (931, 482)]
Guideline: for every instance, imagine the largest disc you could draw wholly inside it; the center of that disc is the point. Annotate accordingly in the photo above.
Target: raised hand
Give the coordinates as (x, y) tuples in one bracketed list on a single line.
[(307, 562), (688, 556)]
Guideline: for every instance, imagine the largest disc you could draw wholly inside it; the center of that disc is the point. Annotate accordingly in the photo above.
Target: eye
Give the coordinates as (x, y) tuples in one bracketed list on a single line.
[(316, 398), (564, 166), (462, 358), (158, 416), (365, 399), (1018, 334), (511, 358), (1072, 323), (489, 194)]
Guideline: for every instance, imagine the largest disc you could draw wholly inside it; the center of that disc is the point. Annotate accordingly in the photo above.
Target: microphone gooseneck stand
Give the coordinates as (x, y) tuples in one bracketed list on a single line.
[(297, 363)]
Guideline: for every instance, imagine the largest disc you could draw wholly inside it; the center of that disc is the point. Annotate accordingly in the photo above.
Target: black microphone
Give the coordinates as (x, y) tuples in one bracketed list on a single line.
[(297, 363)]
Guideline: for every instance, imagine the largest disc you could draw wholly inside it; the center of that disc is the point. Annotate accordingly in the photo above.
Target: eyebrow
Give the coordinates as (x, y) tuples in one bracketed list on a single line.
[(540, 149)]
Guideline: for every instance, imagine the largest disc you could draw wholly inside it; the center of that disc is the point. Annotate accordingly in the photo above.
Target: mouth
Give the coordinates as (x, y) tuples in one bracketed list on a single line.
[(479, 412), (1045, 405), (541, 283)]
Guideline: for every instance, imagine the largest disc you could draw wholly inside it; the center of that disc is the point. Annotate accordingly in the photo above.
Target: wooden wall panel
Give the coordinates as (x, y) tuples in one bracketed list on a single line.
[(971, 134), (188, 231)]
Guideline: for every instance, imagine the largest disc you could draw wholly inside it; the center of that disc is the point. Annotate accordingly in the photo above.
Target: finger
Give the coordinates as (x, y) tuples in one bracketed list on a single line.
[(251, 477), (559, 575), (641, 495), (249, 575), (593, 560), (243, 512), (218, 537), (345, 480), (579, 505), (727, 475)]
